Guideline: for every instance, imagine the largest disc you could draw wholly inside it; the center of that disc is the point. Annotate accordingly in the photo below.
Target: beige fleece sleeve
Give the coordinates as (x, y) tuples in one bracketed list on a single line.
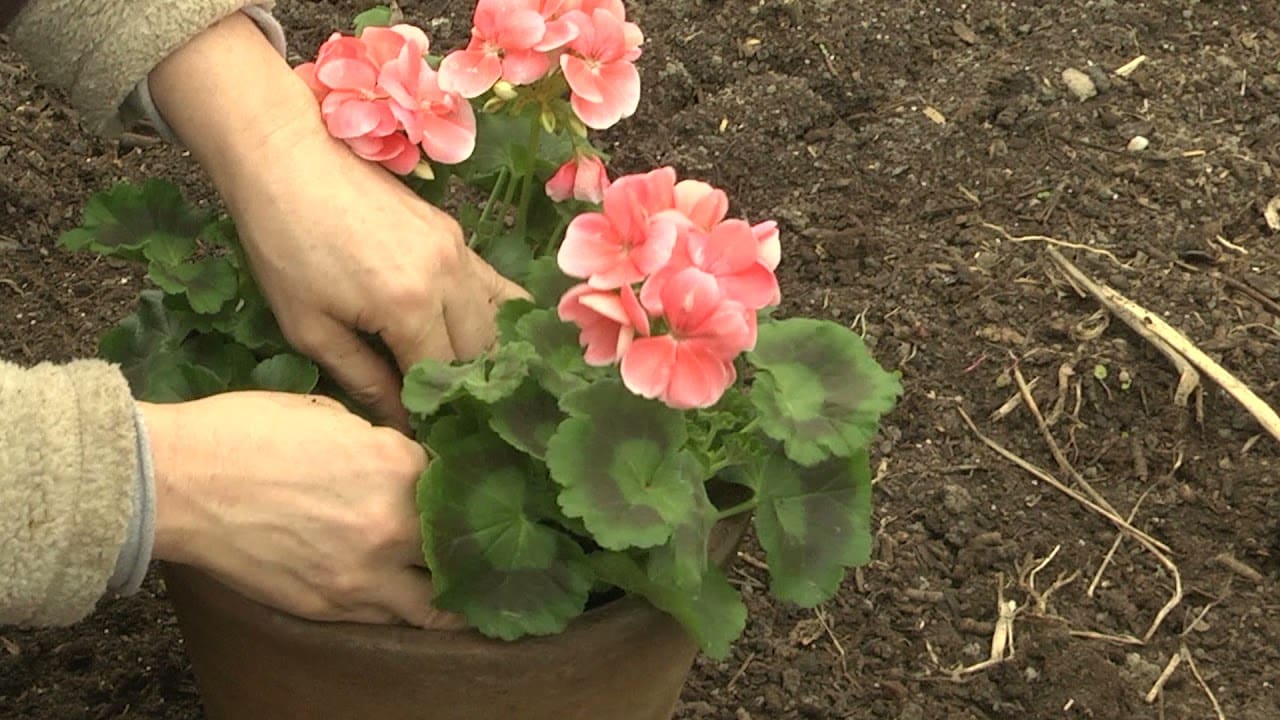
[(68, 466), (100, 50)]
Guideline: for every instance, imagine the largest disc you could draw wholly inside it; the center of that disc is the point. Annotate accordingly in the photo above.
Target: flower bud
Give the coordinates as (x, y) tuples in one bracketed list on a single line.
[(577, 127), (424, 171), (548, 120), (494, 104), (505, 90)]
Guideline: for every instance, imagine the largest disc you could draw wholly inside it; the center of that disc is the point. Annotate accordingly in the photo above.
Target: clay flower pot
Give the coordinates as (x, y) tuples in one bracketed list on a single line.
[(624, 660)]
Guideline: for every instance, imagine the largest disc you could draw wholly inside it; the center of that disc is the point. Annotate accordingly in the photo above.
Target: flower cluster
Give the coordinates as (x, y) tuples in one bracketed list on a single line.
[(522, 41), (378, 94), (701, 280)]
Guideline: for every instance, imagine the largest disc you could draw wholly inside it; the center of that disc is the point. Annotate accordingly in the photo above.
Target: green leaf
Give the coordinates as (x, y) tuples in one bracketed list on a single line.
[(683, 561), (490, 558), (509, 254), (430, 384), (285, 373), (620, 462), (502, 141), (378, 15), (509, 314), (818, 389), (713, 613), (527, 419), (813, 522), (208, 283), (127, 218), (547, 282), (255, 327), (232, 363), (560, 367), (171, 379)]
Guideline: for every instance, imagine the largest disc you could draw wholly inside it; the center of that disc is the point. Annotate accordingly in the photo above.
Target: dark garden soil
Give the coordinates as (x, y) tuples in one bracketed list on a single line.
[(893, 141)]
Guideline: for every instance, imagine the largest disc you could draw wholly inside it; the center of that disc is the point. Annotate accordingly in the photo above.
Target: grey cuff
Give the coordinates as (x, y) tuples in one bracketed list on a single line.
[(140, 104), (135, 554)]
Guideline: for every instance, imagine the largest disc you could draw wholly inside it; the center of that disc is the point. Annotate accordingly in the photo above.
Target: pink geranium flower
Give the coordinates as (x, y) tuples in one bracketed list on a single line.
[(582, 178), (731, 253), (599, 65), (354, 105), (510, 40), (633, 237), (702, 204), (693, 365), (442, 123), (608, 321)]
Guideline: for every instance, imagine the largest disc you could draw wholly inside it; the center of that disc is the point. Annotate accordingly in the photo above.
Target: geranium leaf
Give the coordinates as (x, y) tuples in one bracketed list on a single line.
[(527, 418), (208, 283), (508, 369), (430, 384), (255, 326), (682, 562), (509, 314), (813, 522), (509, 253), (378, 15), (490, 557), (170, 378), (285, 372), (559, 367), (620, 462), (231, 362), (818, 389), (713, 613), (127, 218), (547, 282)]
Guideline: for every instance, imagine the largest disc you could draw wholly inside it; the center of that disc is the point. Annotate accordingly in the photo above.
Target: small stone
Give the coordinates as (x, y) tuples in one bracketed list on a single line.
[(1099, 77), (1079, 83), (1137, 143)]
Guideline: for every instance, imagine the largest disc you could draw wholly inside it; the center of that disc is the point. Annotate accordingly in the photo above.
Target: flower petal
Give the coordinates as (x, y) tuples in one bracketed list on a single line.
[(583, 81), (449, 139), (589, 245), (470, 73), (646, 367), (347, 74), (698, 377), (522, 67)]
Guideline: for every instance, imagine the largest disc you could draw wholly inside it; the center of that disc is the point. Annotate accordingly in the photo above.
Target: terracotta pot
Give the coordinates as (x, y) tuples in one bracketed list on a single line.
[(622, 661)]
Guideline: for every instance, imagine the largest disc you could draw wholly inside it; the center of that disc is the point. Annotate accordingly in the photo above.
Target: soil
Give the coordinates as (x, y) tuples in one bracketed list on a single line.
[(897, 143)]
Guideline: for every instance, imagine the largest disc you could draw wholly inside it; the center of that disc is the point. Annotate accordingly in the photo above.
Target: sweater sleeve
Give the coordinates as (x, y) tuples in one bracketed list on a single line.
[(69, 468), (100, 51)]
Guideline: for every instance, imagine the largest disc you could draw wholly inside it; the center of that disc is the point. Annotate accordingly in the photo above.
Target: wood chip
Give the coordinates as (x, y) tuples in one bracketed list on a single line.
[(933, 114), (10, 646), (963, 32), (1229, 561), (1272, 214), (1127, 69)]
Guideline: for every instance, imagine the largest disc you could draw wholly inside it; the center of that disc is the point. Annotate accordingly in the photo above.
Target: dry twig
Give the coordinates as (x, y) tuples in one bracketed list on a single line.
[(1172, 665), (1157, 548), (1191, 664), (1175, 345)]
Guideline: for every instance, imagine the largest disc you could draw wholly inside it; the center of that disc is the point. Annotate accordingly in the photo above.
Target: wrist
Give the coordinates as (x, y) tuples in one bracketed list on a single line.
[(235, 103), (175, 519)]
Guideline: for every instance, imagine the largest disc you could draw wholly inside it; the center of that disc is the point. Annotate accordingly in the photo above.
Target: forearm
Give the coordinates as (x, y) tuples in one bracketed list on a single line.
[(234, 102)]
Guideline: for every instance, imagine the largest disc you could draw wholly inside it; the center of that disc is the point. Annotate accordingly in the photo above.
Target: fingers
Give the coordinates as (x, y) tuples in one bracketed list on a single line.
[(409, 594), (360, 371), (470, 318)]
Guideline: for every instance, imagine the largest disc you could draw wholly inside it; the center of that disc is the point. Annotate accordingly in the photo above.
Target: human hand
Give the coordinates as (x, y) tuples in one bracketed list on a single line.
[(359, 251), (295, 503), (338, 244)]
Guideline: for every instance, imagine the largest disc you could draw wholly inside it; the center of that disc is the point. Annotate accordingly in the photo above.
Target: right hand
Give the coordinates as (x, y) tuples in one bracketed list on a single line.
[(294, 502)]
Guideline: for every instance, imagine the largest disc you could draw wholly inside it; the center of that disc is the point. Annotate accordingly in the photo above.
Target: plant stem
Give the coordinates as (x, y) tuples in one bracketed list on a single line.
[(553, 242), (742, 507), (504, 176), (526, 192)]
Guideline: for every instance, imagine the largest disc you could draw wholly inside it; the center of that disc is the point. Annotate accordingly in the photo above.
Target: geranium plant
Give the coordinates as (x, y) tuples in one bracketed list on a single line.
[(643, 394)]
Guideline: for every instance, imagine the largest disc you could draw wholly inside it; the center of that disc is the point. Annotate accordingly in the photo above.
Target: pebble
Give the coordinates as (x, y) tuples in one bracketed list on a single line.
[(1079, 83), (1137, 143)]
